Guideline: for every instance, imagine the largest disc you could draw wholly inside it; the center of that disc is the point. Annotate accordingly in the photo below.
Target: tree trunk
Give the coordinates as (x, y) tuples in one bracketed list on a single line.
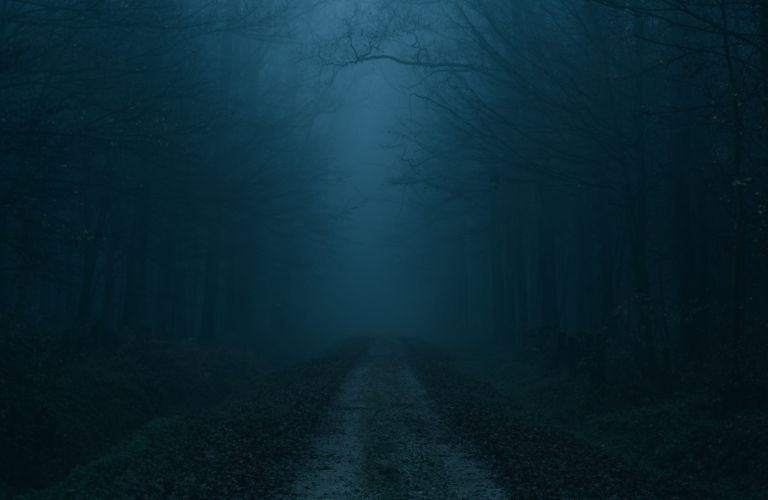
[(107, 319), (134, 305), (606, 278), (550, 315), (210, 307), (90, 260), (498, 277), (636, 195), (211, 286), (166, 283), (739, 210)]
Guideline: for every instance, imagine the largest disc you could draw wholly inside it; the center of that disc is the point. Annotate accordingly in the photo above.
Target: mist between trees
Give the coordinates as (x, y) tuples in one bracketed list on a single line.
[(591, 174)]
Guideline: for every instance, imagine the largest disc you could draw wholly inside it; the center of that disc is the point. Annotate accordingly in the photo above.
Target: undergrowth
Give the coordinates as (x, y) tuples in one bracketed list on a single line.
[(690, 432), (61, 406)]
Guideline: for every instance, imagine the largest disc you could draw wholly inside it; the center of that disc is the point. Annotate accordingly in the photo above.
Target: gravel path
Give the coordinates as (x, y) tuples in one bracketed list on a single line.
[(383, 439)]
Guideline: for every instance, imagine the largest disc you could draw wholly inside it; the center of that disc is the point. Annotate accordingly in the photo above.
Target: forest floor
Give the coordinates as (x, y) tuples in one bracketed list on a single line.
[(390, 420), (143, 423), (692, 437)]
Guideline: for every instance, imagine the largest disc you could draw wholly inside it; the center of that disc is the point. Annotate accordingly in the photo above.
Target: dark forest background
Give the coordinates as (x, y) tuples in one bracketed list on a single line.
[(586, 182), (145, 186)]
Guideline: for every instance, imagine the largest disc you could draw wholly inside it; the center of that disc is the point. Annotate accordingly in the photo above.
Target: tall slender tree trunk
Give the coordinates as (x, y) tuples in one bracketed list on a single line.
[(498, 270), (550, 314), (636, 199), (135, 298), (166, 282), (613, 115), (240, 292), (739, 210), (764, 60), (521, 294), (763, 139), (687, 293), (606, 270), (210, 306), (211, 287), (107, 318), (90, 260)]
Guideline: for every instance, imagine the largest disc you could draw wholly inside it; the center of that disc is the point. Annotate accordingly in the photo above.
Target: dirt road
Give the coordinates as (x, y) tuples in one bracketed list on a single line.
[(382, 439), (371, 420)]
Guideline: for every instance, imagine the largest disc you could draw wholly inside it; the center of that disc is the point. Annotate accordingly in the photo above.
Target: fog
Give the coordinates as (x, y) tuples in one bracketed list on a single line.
[(365, 273), (565, 197)]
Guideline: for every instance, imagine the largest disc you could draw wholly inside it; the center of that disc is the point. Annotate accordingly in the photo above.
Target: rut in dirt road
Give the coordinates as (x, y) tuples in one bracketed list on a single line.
[(382, 439)]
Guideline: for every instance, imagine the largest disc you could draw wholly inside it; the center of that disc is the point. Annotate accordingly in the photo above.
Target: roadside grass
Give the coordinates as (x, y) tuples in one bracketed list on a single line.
[(691, 438)]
